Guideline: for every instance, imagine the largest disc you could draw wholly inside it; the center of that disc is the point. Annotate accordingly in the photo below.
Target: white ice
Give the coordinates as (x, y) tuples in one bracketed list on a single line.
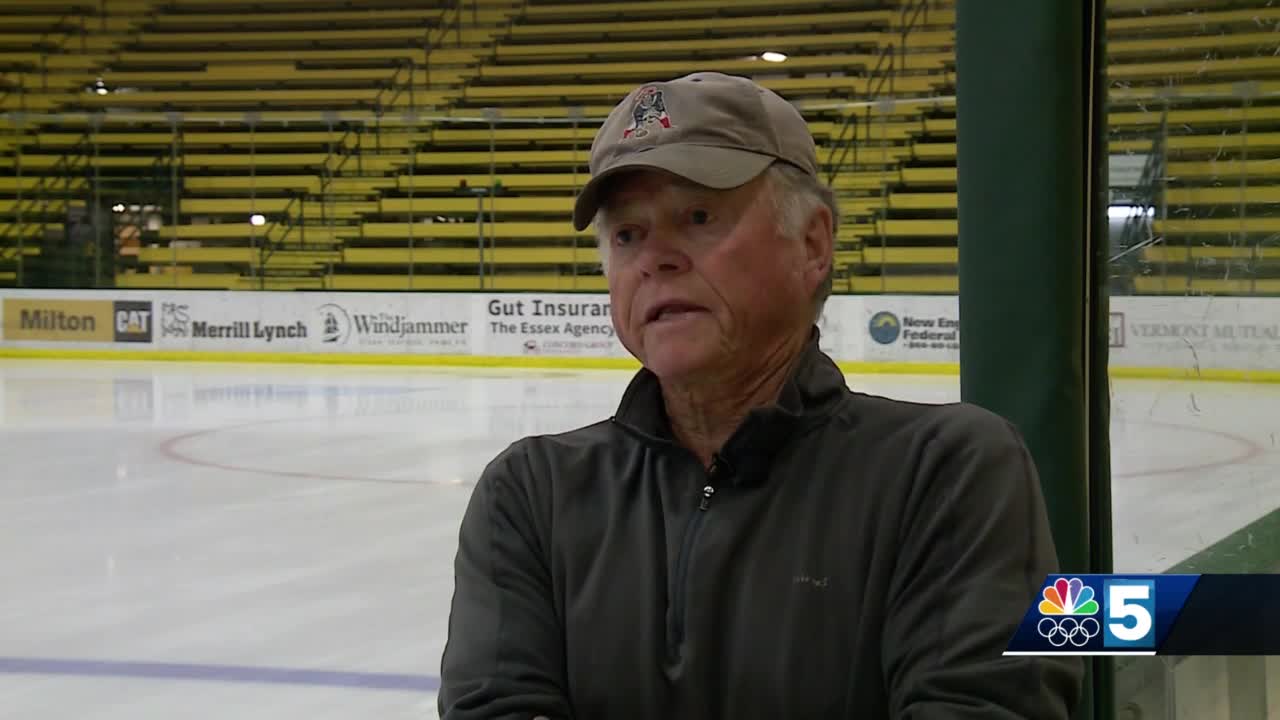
[(218, 541)]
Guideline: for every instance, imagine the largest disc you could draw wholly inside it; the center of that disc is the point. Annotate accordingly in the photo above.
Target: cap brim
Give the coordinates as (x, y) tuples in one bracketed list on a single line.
[(714, 167)]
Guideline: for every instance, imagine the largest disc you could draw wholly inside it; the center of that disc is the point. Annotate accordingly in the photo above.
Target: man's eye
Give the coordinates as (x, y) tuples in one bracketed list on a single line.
[(622, 237), (699, 217)]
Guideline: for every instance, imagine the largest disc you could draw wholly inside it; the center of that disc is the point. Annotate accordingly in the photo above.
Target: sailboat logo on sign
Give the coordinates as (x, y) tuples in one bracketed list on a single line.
[(335, 324)]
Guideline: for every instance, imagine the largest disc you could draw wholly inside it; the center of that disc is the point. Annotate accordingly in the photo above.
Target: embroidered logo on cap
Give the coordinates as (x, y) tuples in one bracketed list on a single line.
[(648, 114)]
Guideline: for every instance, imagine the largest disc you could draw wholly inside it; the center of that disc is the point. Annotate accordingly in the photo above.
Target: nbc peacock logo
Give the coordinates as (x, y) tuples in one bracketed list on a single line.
[(1067, 611)]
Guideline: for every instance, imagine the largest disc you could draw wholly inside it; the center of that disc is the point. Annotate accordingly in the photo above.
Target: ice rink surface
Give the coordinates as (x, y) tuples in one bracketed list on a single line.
[(265, 541)]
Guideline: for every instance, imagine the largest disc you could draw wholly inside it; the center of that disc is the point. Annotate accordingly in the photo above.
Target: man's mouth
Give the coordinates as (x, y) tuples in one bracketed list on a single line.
[(671, 311)]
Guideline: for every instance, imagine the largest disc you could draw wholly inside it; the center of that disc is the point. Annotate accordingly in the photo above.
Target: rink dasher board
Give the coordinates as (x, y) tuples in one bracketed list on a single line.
[(1215, 338)]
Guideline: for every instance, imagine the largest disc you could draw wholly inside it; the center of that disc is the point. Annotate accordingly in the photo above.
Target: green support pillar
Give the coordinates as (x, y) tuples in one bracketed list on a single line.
[(1033, 245)]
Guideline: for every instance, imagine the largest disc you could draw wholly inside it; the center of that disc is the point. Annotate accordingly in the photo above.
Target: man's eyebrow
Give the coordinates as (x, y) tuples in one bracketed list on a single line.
[(682, 192)]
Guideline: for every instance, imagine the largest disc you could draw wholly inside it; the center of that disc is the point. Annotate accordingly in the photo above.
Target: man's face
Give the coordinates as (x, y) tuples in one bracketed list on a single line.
[(701, 281)]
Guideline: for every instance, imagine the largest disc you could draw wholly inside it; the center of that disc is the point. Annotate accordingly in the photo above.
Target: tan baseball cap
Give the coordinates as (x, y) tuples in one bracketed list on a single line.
[(716, 130)]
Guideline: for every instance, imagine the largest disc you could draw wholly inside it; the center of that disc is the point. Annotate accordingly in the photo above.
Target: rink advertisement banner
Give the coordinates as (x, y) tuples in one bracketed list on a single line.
[(552, 325), (55, 319), (317, 323), (908, 329), (1196, 333), (427, 324), (1177, 334), (230, 321)]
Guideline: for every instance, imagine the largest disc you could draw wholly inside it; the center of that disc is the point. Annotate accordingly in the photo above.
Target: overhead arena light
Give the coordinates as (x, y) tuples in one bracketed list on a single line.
[(1124, 212), (771, 56), (118, 207), (257, 220)]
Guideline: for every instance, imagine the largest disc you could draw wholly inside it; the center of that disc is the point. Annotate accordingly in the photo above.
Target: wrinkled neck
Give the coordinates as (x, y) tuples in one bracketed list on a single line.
[(704, 413)]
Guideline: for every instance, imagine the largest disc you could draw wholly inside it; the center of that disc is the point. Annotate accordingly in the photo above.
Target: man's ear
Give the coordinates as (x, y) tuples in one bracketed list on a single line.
[(819, 243)]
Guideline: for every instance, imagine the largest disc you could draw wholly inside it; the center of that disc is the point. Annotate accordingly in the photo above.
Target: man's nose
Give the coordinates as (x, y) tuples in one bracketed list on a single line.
[(663, 253)]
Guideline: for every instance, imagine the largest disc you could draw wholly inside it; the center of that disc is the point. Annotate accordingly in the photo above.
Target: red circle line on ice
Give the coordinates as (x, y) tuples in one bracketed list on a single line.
[(171, 449)]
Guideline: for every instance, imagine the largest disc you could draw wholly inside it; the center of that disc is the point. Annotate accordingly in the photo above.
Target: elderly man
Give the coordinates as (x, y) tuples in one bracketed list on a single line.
[(745, 537)]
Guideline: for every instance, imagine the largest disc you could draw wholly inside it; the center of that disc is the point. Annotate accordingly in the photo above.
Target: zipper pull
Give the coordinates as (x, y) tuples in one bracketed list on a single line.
[(707, 492)]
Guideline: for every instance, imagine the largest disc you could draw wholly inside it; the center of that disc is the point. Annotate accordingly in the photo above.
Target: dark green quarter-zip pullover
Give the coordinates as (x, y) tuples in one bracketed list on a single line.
[(844, 556)]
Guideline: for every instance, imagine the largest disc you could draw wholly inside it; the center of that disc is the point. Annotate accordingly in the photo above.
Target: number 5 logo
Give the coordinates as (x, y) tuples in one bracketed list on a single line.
[(1131, 611)]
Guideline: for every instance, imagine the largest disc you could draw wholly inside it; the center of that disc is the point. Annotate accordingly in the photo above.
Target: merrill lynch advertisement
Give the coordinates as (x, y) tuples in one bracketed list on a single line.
[(235, 322), (565, 325)]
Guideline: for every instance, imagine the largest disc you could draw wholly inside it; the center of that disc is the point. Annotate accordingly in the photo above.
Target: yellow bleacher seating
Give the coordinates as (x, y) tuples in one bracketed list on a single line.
[(359, 185), (243, 232), (561, 206), (560, 134), (933, 151), (52, 184), (1166, 46), (213, 76), (314, 210), (684, 48), (507, 158), (1214, 144), (239, 140), (214, 231), (908, 284), (1229, 91), (1255, 195), (1148, 285), (923, 201), (511, 181), (12, 231), (918, 228), (1250, 67), (240, 206), (1207, 252), (182, 281), (516, 230), (1191, 21), (33, 102), (243, 159), (469, 256), (265, 183), (325, 184), (1220, 169), (673, 68), (344, 17), (546, 282), (32, 206), (1203, 118), (252, 257), (439, 56), (269, 38), (911, 256), (1218, 226), (666, 29), (929, 177), (250, 98)]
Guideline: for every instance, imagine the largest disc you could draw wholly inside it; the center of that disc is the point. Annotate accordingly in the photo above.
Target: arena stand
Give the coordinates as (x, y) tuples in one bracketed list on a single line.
[(440, 147)]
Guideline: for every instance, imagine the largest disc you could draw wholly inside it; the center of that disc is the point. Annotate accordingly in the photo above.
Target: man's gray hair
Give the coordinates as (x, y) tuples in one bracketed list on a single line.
[(796, 195)]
